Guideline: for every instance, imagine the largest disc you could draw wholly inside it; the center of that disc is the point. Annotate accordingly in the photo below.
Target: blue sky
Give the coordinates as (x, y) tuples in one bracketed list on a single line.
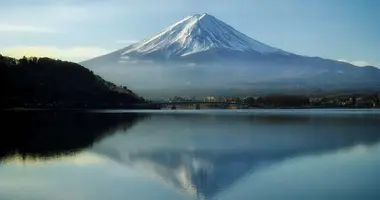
[(80, 29)]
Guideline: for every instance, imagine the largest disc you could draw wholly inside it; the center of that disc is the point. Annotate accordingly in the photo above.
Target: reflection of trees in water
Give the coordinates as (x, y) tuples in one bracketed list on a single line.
[(46, 134)]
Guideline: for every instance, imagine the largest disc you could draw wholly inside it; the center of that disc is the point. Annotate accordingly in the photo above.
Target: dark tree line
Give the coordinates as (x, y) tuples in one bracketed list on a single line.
[(321, 101), (278, 101), (45, 82)]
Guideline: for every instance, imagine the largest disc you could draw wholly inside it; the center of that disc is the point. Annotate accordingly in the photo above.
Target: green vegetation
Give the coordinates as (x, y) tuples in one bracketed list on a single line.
[(285, 101), (49, 83), (320, 101)]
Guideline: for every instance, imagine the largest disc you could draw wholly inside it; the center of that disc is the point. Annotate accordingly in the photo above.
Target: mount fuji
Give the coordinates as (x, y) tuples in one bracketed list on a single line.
[(201, 55)]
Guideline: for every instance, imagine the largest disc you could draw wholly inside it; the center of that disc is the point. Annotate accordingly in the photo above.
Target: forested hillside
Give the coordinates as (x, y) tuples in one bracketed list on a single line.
[(45, 82)]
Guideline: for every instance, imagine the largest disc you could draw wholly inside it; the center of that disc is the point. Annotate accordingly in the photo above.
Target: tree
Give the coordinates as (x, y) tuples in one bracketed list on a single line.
[(238, 100), (46, 81), (249, 101)]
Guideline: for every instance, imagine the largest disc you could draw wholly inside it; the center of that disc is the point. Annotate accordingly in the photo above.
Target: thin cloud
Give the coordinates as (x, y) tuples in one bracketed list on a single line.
[(76, 53), (360, 63), (126, 41), (13, 28)]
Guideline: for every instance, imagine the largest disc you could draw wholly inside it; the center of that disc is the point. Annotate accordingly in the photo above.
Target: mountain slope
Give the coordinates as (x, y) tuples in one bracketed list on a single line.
[(46, 82), (201, 52), (196, 34)]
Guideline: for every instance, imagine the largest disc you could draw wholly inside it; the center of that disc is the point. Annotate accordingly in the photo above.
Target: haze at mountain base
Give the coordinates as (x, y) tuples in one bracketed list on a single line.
[(202, 53)]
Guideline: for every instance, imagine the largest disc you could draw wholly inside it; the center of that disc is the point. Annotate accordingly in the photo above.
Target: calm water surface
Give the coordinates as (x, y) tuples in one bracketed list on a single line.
[(150, 155)]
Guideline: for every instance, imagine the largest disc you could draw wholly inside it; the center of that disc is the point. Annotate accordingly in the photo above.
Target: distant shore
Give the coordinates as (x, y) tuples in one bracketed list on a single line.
[(156, 108), (133, 107)]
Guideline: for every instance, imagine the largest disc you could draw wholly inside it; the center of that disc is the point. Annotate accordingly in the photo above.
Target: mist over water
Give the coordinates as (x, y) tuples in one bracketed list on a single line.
[(249, 154)]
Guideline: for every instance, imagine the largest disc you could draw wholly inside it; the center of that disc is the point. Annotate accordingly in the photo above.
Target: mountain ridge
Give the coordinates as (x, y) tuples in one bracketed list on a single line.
[(191, 35), (199, 33), (202, 51)]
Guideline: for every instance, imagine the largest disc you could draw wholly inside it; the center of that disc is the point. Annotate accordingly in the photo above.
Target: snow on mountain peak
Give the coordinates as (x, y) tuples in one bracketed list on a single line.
[(197, 33), (202, 16)]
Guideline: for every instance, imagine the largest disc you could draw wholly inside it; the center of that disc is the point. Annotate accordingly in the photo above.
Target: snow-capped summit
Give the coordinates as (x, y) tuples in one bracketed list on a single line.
[(194, 34), (201, 55)]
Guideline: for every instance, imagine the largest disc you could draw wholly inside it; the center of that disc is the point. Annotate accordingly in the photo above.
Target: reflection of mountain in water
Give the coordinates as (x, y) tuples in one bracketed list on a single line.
[(205, 155), (48, 134), (203, 174)]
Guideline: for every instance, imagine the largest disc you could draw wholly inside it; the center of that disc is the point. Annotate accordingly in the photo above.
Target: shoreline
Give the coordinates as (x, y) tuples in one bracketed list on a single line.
[(179, 109)]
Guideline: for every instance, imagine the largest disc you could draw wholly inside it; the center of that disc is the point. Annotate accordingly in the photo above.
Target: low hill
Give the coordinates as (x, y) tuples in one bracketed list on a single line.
[(45, 82)]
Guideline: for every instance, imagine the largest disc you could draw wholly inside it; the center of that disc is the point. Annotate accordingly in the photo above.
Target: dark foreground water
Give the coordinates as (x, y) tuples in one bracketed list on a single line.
[(169, 155)]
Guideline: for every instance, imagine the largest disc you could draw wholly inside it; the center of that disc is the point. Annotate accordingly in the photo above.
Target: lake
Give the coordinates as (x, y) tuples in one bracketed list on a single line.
[(190, 154)]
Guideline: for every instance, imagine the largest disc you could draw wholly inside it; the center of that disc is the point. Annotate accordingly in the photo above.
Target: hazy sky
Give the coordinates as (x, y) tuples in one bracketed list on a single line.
[(80, 29)]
